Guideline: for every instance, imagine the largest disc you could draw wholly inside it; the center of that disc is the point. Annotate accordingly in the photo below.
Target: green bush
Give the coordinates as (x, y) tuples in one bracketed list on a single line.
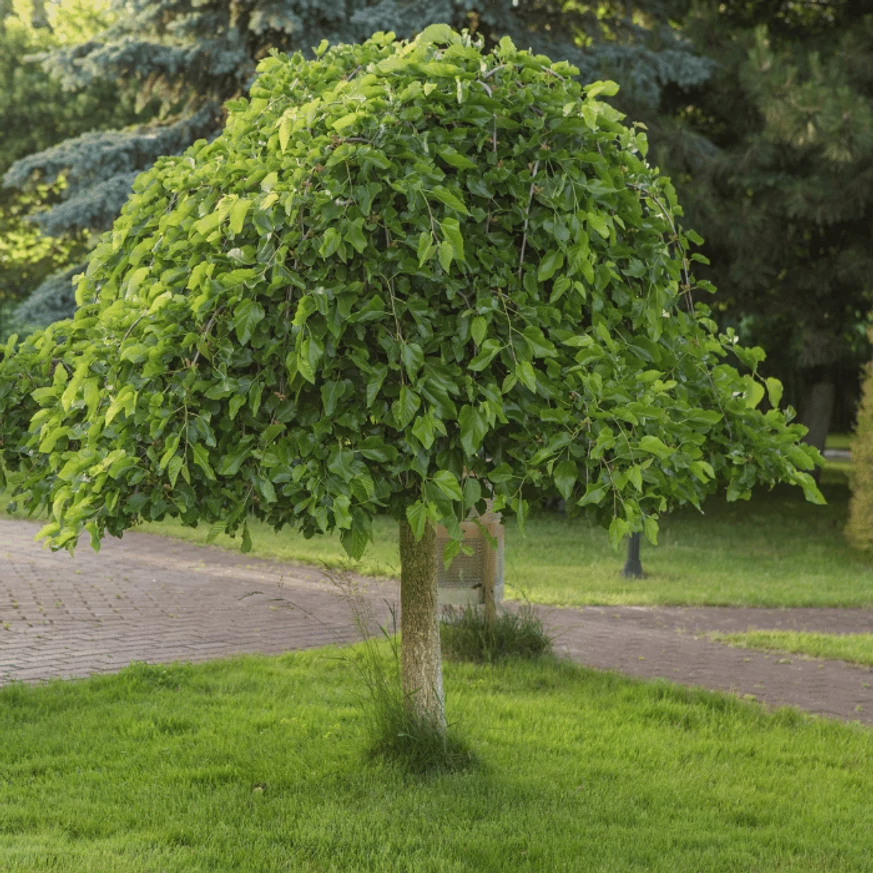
[(467, 635)]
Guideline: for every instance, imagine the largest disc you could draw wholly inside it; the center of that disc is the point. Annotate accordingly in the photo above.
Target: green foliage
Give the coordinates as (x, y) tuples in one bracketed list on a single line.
[(859, 529), (406, 276), (467, 635)]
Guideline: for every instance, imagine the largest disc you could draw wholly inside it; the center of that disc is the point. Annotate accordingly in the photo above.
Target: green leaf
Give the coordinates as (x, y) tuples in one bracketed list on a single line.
[(446, 196), (549, 265), (754, 393), (413, 358), (232, 461), (447, 252), (447, 483), (605, 88), (376, 449), (201, 459), (564, 476), (355, 235), (526, 375), (774, 391), (347, 120), (246, 546), (246, 317), (650, 528), (478, 329), (285, 125), (374, 384), (238, 215), (425, 249), (330, 242), (455, 159), (594, 494), (473, 429), (618, 530), (405, 407), (654, 446), (486, 354), (452, 231), (472, 491), (598, 222), (423, 430), (416, 515), (331, 394)]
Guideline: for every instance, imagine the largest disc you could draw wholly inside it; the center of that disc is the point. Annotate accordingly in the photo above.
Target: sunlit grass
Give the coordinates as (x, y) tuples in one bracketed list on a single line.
[(856, 648), (259, 764), (776, 550)]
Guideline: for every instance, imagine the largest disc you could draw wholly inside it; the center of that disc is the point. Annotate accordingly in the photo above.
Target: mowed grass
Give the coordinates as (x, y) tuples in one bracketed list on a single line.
[(260, 764), (776, 550), (857, 648)]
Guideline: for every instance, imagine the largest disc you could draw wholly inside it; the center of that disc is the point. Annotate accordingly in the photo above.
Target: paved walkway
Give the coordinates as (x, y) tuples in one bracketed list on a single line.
[(151, 599)]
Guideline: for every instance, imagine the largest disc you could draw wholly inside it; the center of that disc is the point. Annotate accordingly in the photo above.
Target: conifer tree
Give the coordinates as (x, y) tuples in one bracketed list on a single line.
[(773, 159)]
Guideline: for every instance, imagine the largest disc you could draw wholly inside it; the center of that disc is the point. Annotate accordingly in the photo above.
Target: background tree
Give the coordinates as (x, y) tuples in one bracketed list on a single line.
[(772, 159), (186, 59), (406, 277), (859, 529), (36, 112)]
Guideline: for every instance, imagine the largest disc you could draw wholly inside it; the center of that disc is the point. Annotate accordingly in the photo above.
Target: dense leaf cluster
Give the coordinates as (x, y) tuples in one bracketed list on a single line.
[(406, 277)]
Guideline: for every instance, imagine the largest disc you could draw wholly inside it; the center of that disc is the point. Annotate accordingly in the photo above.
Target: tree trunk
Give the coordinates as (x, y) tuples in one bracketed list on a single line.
[(817, 412), (420, 656), (633, 567)]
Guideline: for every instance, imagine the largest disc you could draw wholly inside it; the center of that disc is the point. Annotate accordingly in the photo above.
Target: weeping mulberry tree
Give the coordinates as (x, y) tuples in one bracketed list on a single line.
[(407, 277)]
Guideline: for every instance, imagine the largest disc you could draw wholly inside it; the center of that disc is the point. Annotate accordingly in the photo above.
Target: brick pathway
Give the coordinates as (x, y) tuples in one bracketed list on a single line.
[(151, 599)]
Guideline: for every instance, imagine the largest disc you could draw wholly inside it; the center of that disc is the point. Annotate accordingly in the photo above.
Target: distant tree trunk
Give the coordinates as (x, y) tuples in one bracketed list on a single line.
[(420, 656), (818, 410), (633, 567)]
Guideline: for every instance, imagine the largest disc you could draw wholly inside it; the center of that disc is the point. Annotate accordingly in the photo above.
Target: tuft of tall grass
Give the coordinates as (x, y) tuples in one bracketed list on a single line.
[(397, 733), (467, 635)]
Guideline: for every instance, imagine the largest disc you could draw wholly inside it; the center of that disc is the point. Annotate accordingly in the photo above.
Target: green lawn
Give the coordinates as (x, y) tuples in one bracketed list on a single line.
[(776, 550), (258, 764), (857, 648)]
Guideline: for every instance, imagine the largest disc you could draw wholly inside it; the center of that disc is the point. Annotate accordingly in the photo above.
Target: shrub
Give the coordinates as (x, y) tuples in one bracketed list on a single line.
[(467, 635)]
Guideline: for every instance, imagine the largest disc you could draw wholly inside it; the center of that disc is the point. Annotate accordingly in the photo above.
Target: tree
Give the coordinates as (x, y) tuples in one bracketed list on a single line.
[(186, 59), (407, 277), (36, 112), (859, 529), (772, 159)]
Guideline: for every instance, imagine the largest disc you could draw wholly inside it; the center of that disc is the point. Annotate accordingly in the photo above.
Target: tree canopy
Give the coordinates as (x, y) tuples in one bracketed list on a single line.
[(407, 276)]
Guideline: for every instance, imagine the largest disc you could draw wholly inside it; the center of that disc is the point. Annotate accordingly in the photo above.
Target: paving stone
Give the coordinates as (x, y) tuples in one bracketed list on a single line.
[(146, 598)]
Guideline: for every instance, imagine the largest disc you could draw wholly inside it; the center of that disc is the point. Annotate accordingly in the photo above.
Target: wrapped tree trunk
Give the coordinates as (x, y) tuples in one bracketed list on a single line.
[(421, 659)]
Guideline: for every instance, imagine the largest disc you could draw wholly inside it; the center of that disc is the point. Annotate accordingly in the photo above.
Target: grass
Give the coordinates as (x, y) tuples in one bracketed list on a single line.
[(856, 648), (776, 550), (467, 635), (258, 764)]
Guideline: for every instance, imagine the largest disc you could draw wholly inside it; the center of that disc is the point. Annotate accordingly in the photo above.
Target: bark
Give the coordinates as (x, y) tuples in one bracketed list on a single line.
[(817, 412), (420, 656)]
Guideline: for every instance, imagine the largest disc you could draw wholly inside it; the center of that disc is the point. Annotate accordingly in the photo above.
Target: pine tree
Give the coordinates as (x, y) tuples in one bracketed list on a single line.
[(35, 113), (774, 161), (188, 58)]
